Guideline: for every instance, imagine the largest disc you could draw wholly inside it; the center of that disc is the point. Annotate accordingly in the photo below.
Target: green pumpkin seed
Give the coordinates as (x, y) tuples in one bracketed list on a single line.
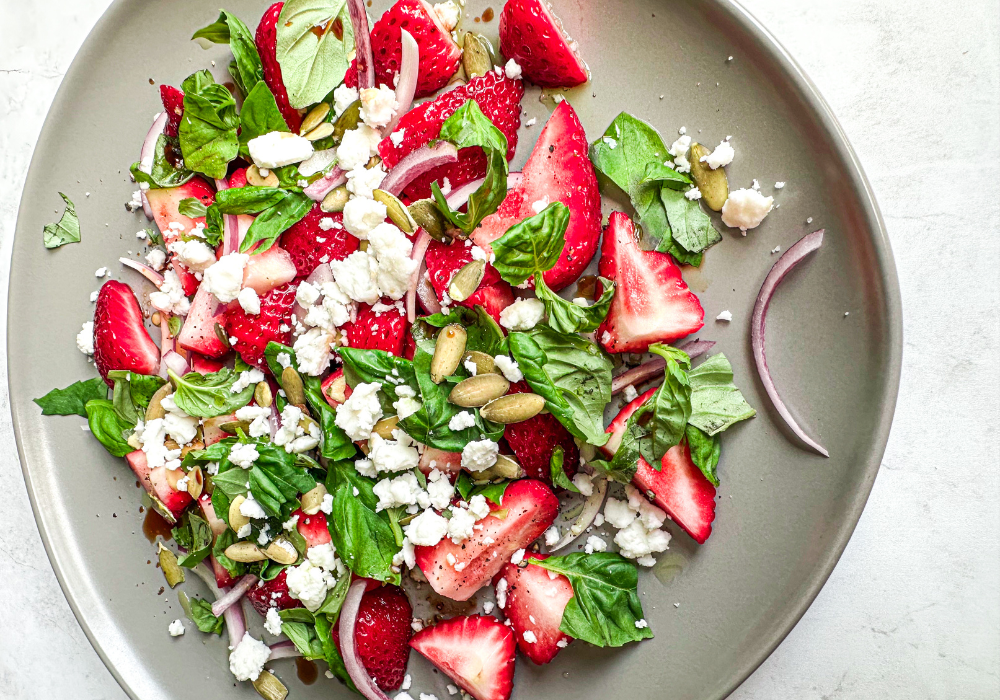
[(245, 552), (291, 382), (477, 56), (505, 468), (714, 184), (282, 551), (233, 426), (348, 121), (396, 210), (428, 217), (479, 390), (484, 363), (448, 352), (515, 408), (315, 117), (257, 179), (385, 427), (155, 410), (262, 395), (269, 687), (169, 566), (336, 200), (467, 280), (320, 132)]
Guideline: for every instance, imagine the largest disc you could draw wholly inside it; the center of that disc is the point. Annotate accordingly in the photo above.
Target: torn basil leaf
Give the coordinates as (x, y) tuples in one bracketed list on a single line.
[(66, 230)]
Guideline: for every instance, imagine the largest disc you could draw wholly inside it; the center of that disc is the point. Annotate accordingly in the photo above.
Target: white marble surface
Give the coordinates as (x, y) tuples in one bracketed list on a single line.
[(913, 609)]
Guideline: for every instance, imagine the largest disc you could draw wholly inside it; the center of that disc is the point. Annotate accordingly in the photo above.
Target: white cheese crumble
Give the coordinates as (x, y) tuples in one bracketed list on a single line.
[(725, 316), (224, 279), (479, 455), (745, 209), (722, 156), (362, 215), (530, 637), (509, 368), (357, 147), (512, 69), (344, 97), (427, 529), (272, 622), (461, 421), (156, 259), (85, 339), (243, 455), (247, 660), (378, 106), (176, 628), (249, 301), (393, 455), (170, 297), (362, 182), (278, 149), (309, 584), (522, 315), (448, 14), (551, 535)]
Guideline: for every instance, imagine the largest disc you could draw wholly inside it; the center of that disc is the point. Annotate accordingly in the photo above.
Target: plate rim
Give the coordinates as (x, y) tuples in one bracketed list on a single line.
[(885, 262)]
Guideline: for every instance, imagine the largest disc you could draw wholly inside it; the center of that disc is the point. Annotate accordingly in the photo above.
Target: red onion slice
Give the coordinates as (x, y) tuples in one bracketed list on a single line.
[(233, 595), (175, 363), (352, 658), (362, 43), (426, 294), (144, 270), (230, 224), (406, 86), (417, 163), (320, 276), (420, 244), (147, 154), (236, 625), (284, 650), (168, 343), (460, 197), (654, 368), (318, 191), (792, 257), (591, 507)]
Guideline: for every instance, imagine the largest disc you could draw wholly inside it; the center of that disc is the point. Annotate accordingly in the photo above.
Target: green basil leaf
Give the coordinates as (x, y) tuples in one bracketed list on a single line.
[(259, 116), (208, 128), (690, 226), (201, 615), (226, 539), (463, 485), (493, 493), (214, 229), (533, 245), (72, 400), (132, 393), (605, 606), (248, 200), (484, 335), (67, 230), (558, 473), (108, 427), (313, 62), (657, 172), (168, 169), (228, 29), (274, 221), (378, 366), (566, 316), (671, 405), (716, 402), (192, 208), (324, 631), (302, 635), (201, 542), (209, 395), (705, 450), (335, 599)]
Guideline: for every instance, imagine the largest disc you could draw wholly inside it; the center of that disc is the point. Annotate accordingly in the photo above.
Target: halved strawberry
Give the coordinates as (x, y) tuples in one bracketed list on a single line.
[(474, 651), (385, 330), (120, 338), (269, 270), (532, 35), (238, 178), (534, 440), (313, 528), (165, 203), (157, 485), (535, 605), (254, 332), (433, 458), (559, 170), (620, 422), (310, 244), (198, 333), (266, 40), (382, 634), (652, 303), (336, 389), (444, 261), (272, 594), (498, 97), (173, 105), (681, 490), (529, 508)]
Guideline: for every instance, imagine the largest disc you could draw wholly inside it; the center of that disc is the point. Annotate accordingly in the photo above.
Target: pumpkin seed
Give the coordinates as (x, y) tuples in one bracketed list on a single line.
[(155, 410), (385, 427), (192, 447), (169, 566), (134, 442), (505, 468), (338, 389), (467, 280), (262, 395), (315, 117), (477, 57), (291, 382), (236, 519), (320, 132), (282, 551), (269, 687), (714, 184), (479, 390), (484, 363), (448, 352), (233, 426), (428, 217), (196, 482), (155, 318), (312, 500), (515, 408), (245, 552), (336, 200), (347, 121), (396, 210), (220, 333), (174, 475), (256, 178), (163, 510)]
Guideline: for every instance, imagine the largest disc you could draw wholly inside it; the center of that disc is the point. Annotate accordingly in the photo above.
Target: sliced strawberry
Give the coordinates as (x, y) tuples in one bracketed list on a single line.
[(157, 486), (534, 440), (444, 261), (254, 332), (204, 365), (266, 40), (223, 579), (238, 179), (269, 270), (120, 338), (652, 302), (530, 507), (213, 428), (272, 594), (532, 35), (535, 604), (382, 635), (498, 97), (385, 330), (198, 334), (173, 105), (335, 388), (409, 347), (310, 244), (433, 458), (217, 525), (559, 170), (313, 528), (474, 651), (165, 203), (494, 298), (681, 490), (620, 422)]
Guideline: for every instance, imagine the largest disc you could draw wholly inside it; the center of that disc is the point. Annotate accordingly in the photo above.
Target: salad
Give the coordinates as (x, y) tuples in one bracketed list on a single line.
[(383, 370)]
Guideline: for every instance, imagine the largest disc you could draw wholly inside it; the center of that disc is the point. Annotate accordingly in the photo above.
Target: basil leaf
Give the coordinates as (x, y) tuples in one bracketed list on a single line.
[(192, 208), (228, 29), (67, 230), (259, 116), (208, 128), (201, 615), (227, 538), (132, 393), (313, 62), (484, 335), (214, 228), (566, 316), (716, 402), (558, 473), (657, 172), (324, 630), (248, 200), (335, 599), (302, 635), (274, 221), (378, 366), (671, 405), (108, 427), (705, 450), (209, 395), (72, 400), (690, 226), (166, 171), (201, 542), (605, 606), (533, 245)]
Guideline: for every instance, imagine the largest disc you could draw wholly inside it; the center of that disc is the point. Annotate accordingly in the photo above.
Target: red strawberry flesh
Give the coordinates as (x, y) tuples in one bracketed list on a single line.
[(272, 594), (252, 333), (382, 635), (535, 604), (532, 35), (383, 330), (173, 105), (681, 490), (266, 40), (534, 440), (474, 651), (310, 245), (120, 337)]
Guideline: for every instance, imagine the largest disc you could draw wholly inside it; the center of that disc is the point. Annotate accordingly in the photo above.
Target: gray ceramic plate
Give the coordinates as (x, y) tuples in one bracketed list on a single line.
[(784, 515)]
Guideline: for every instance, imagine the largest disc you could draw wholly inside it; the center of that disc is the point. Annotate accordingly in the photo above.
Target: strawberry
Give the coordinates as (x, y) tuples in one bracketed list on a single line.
[(310, 245), (534, 440), (652, 303), (443, 261), (173, 105), (120, 338), (313, 528), (382, 635), (530, 507), (474, 651), (223, 579), (204, 365), (681, 490), (535, 603), (498, 97), (266, 40), (272, 594), (385, 330), (336, 389), (448, 462), (532, 35), (559, 170), (254, 332), (439, 54), (409, 347), (158, 486), (620, 422), (165, 203), (198, 334), (269, 270), (238, 179)]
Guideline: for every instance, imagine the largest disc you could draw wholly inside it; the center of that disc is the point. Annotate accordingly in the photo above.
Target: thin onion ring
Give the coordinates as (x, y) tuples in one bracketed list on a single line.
[(147, 154), (318, 191), (349, 649), (420, 244), (654, 368), (144, 270), (233, 596), (406, 87), (591, 507), (362, 43), (417, 163)]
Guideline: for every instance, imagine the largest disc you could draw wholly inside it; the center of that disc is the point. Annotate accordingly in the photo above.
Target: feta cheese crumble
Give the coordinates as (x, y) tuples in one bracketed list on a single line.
[(249, 301), (509, 368), (746, 209), (85, 339), (522, 315), (722, 156), (359, 414), (512, 70), (479, 455), (272, 622), (224, 279), (725, 316), (461, 421), (278, 149), (176, 628), (378, 106), (247, 660)]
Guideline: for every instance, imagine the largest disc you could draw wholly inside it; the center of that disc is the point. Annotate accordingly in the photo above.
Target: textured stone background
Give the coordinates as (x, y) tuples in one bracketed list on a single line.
[(913, 609)]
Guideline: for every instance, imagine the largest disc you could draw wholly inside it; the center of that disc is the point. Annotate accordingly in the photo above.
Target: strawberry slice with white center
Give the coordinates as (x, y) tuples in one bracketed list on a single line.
[(535, 605), (559, 170), (532, 35), (652, 303), (155, 481), (457, 571), (120, 338), (165, 203), (474, 651)]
